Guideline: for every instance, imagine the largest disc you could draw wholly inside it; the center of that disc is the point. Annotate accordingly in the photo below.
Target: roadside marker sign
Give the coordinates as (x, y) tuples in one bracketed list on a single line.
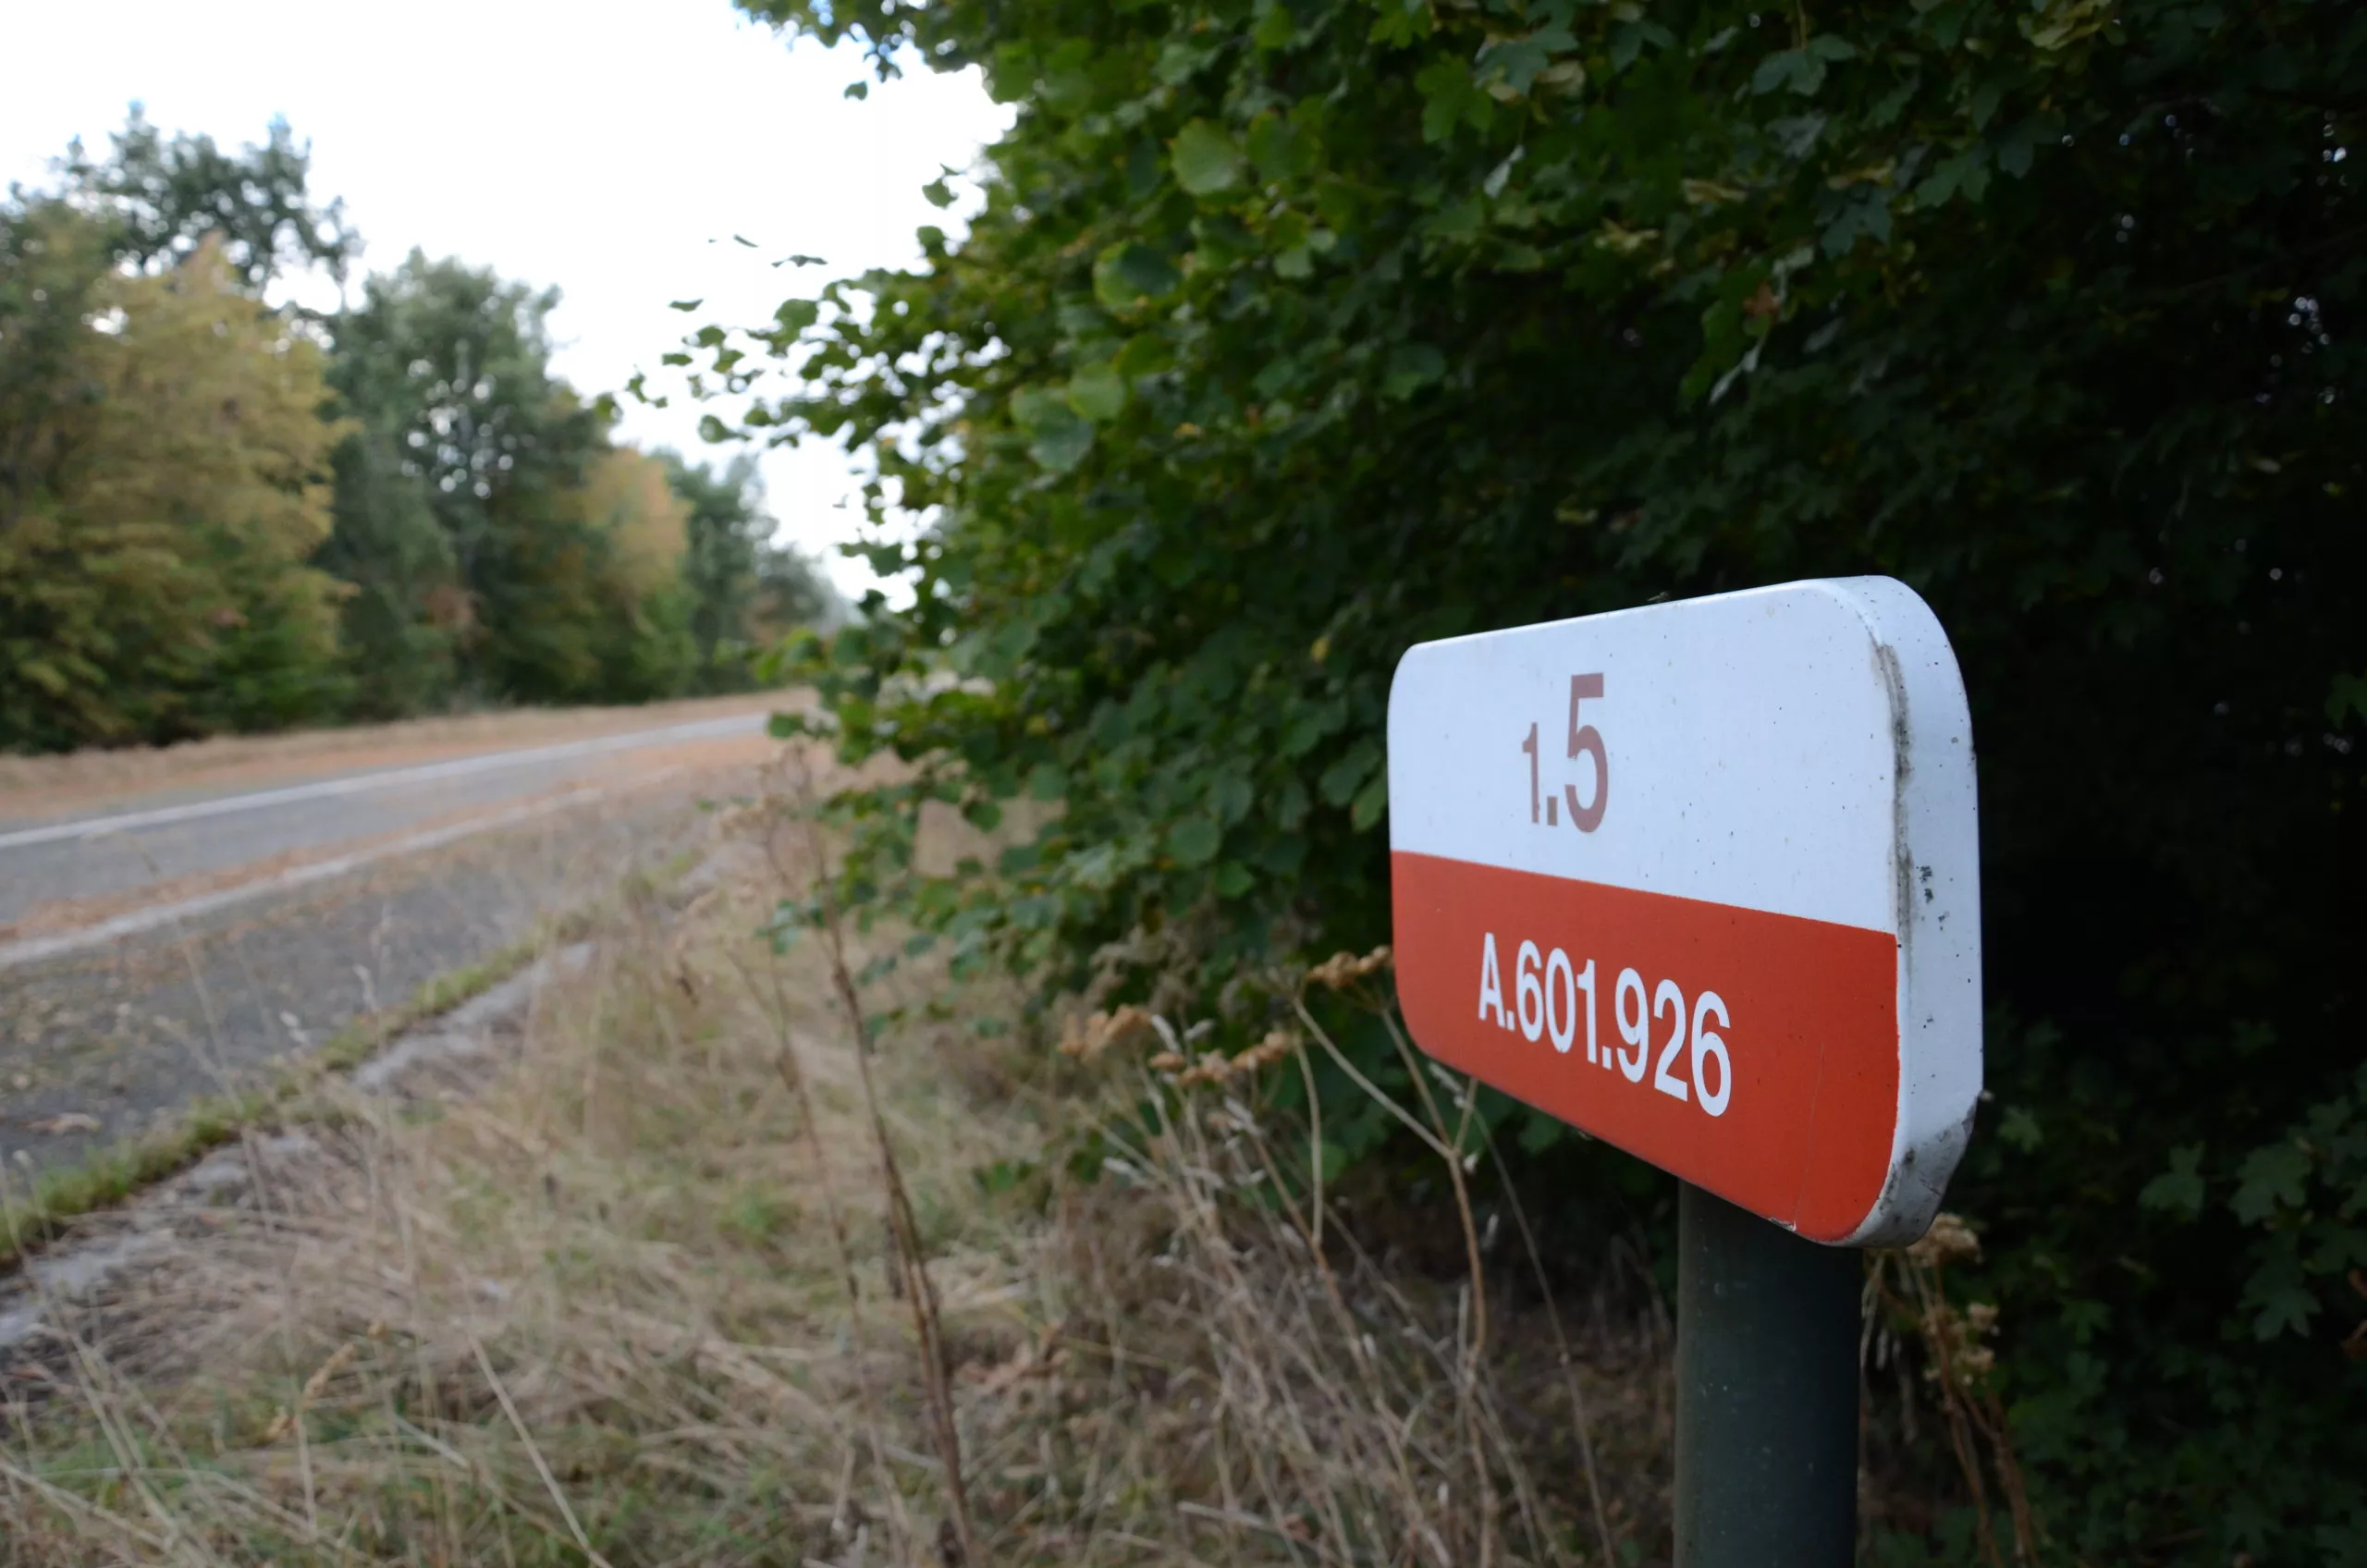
[(1703, 879)]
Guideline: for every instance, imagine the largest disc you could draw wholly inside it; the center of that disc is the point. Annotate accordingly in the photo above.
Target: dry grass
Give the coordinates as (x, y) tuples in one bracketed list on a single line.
[(29, 786), (638, 1300)]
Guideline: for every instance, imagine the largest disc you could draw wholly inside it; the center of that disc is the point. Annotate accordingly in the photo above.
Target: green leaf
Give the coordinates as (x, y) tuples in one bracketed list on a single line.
[(1802, 70), (1511, 64), (2269, 1179), (1193, 840), (1540, 1133), (1451, 99), (1864, 215), (1206, 160), (2280, 1297), (2347, 697), (2179, 1189), (1412, 366), (1128, 276), (1966, 172), (1230, 798), (1047, 781), (1059, 436), (1061, 449), (2021, 1129), (1400, 22), (1145, 353), (1345, 776), (1098, 392), (1279, 149)]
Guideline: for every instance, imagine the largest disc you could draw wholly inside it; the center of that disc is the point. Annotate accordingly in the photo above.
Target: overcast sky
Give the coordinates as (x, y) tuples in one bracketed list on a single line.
[(611, 149)]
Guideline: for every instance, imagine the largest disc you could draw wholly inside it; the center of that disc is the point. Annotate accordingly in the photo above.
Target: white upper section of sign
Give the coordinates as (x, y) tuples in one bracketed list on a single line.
[(1752, 740)]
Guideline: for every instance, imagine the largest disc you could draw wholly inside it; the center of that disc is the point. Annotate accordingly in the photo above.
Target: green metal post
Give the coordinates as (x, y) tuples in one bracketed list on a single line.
[(1767, 1330)]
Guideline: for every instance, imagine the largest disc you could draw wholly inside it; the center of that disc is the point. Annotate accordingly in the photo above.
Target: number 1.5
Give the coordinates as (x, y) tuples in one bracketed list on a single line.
[(1584, 740)]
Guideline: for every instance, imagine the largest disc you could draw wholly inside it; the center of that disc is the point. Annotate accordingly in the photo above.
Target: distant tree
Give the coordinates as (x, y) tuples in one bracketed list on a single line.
[(52, 264), (405, 613), (161, 197), (500, 546), (200, 531), (642, 524), (743, 588), (445, 369), (163, 483), (793, 591)]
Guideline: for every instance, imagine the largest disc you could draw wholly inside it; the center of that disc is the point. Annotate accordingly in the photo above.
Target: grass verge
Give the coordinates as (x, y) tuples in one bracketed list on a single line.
[(647, 1298), (115, 1172)]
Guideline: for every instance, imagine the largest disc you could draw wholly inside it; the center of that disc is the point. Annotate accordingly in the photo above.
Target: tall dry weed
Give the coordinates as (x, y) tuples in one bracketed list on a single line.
[(642, 1296)]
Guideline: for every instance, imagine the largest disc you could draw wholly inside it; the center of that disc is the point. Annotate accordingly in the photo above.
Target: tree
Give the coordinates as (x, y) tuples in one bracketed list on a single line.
[(1291, 333), (161, 446), (445, 369), (164, 490), (643, 525), (406, 615), (162, 198), (745, 590)]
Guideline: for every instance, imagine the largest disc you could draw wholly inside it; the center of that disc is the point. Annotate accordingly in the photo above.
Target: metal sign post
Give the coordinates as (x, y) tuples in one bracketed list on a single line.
[(1766, 1391), (1701, 879)]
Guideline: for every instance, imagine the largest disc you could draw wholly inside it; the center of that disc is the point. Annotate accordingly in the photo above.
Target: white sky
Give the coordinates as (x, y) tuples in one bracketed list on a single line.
[(611, 148)]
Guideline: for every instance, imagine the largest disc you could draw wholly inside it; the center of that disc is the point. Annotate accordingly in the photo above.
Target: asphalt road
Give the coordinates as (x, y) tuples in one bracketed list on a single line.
[(175, 946), (165, 839)]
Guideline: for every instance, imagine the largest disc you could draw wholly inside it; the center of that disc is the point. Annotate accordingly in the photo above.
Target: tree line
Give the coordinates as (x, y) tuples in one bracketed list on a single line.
[(1292, 332), (217, 513)]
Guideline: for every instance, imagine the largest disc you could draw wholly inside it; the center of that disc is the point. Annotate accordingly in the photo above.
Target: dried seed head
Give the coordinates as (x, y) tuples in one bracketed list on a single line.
[(329, 1369), (1213, 1068), (1948, 1239), (1086, 1037), (1278, 1044), (1342, 967)]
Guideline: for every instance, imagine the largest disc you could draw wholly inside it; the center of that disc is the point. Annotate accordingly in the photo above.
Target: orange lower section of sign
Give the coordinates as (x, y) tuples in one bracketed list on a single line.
[(1752, 1054)]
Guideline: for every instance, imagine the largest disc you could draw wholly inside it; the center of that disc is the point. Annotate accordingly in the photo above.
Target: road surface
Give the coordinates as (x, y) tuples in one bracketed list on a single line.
[(156, 949)]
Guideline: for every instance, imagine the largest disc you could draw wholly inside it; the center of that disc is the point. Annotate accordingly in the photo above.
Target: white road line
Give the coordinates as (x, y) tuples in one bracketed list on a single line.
[(32, 949), (91, 827)]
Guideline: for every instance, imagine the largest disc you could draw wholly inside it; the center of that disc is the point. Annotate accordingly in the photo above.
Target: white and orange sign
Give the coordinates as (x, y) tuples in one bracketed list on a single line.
[(1703, 879)]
